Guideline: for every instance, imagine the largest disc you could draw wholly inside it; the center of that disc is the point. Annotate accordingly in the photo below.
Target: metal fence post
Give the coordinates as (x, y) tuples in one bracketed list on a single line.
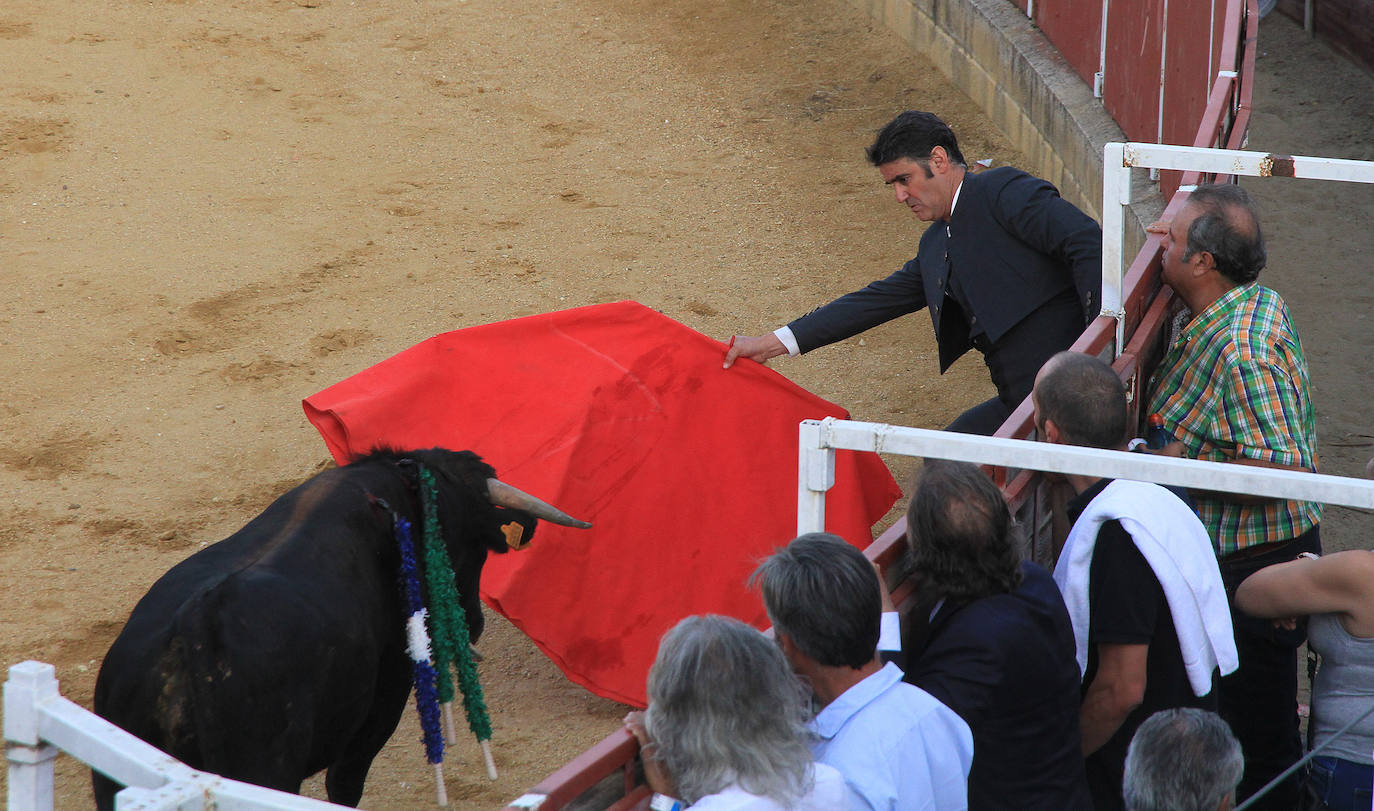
[(1100, 78)]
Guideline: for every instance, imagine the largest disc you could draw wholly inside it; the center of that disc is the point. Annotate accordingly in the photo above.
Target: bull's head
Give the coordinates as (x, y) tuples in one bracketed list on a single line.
[(480, 514)]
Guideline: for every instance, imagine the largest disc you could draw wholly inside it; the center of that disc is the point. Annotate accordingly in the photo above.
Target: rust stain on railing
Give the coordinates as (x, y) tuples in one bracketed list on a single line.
[(1277, 166)]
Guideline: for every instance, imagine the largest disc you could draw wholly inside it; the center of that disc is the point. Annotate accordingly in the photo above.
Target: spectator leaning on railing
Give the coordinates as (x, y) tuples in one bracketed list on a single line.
[(1233, 387), (1337, 590)]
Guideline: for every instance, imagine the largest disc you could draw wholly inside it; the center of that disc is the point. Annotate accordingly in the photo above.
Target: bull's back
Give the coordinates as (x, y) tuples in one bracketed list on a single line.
[(251, 639)]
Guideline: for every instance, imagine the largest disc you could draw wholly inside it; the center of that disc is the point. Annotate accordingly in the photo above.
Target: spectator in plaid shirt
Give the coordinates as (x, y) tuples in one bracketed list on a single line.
[(1233, 388)]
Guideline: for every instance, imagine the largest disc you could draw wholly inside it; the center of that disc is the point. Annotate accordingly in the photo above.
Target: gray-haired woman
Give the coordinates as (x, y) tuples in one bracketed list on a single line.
[(726, 724)]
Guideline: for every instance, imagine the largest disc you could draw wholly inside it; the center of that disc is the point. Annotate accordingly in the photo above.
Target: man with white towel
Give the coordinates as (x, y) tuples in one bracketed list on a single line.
[(1139, 577)]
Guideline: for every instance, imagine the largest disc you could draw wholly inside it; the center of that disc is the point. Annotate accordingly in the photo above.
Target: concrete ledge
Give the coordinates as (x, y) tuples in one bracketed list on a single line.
[(991, 51)]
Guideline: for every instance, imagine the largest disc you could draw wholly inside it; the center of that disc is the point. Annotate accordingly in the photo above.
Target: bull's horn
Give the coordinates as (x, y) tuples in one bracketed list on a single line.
[(503, 495)]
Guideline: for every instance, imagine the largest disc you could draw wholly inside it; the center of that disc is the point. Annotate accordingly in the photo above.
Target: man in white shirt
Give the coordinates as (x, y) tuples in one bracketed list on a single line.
[(896, 745)]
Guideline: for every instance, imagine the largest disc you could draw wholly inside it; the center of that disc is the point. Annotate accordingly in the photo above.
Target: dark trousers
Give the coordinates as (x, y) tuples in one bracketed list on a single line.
[(1015, 358), (1104, 783), (1260, 699), (984, 418)]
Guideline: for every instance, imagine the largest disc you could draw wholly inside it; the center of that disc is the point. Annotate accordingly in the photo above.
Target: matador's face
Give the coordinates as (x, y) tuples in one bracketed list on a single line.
[(923, 186)]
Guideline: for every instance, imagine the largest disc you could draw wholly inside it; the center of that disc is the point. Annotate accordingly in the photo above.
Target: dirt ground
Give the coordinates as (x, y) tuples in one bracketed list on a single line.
[(213, 210)]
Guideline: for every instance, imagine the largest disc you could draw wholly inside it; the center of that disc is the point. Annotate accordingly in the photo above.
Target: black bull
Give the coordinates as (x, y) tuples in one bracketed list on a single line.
[(280, 651)]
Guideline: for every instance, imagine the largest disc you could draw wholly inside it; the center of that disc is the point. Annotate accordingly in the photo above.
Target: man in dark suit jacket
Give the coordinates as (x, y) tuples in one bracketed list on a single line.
[(991, 639), (1008, 267)]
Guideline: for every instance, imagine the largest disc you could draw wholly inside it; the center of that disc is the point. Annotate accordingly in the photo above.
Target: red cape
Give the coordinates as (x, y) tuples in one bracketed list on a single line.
[(622, 417)]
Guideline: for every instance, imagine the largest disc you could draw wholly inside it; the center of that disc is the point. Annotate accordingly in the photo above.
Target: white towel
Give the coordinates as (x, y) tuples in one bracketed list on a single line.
[(1175, 544)]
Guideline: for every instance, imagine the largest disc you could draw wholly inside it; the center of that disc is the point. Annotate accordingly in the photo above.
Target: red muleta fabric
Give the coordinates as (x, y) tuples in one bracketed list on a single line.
[(623, 417)]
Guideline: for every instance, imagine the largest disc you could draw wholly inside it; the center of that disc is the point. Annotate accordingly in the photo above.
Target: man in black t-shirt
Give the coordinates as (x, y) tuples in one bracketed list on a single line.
[(1130, 650), (1129, 618)]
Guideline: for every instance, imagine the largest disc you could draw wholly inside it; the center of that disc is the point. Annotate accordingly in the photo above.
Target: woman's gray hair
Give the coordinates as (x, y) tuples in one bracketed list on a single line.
[(1182, 759), (725, 708)]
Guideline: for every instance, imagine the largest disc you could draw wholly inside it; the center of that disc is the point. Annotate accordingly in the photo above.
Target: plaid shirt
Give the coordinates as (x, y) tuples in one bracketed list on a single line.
[(1233, 385)]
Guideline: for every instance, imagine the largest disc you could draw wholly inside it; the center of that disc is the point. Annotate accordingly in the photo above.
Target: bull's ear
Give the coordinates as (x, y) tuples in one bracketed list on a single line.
[(516, 530), (515, 535)]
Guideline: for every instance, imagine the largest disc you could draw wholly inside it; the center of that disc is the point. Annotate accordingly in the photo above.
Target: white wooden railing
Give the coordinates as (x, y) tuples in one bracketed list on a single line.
[(40, 723), (819, 439)]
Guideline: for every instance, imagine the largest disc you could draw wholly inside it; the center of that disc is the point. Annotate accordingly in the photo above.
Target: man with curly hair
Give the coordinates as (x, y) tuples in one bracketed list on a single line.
[(991, 639)]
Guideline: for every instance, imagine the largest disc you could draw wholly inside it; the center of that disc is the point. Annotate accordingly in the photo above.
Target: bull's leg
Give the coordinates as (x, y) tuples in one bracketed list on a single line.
[(344, 779), (105, 790)]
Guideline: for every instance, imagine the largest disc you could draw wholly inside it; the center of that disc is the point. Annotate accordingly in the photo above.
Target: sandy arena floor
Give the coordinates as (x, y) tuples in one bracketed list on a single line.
[(213, 210)]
